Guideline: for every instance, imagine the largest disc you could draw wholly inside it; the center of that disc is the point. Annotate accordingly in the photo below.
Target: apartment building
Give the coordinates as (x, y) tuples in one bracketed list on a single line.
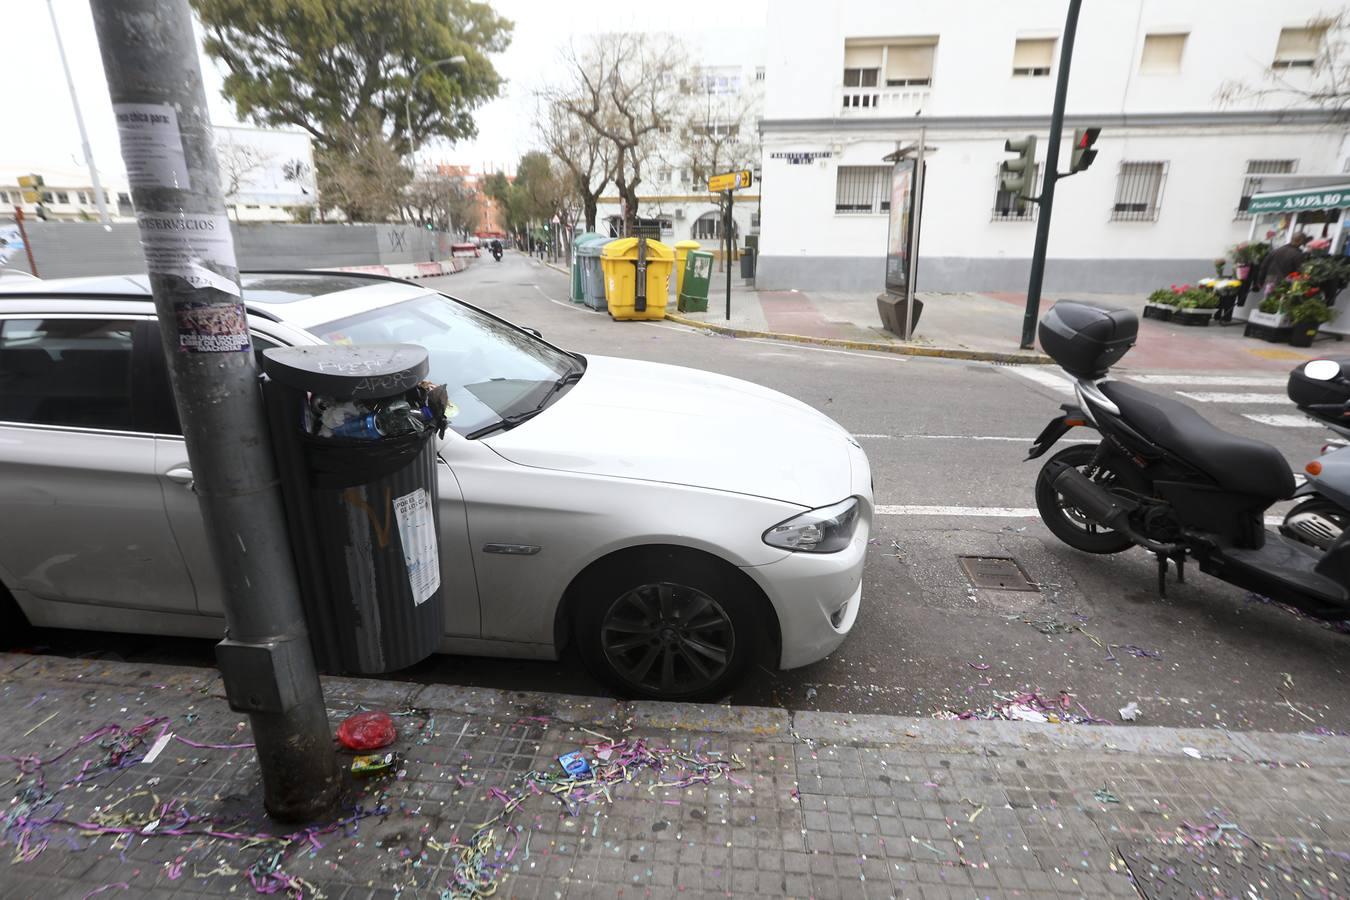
[(848, 83)]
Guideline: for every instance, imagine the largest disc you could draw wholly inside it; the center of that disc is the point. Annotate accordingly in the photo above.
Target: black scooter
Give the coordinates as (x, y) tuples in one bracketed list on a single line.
[(1165, 479)]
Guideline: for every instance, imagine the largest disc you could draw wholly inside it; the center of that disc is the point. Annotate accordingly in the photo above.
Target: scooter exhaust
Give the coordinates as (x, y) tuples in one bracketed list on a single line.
[(1093, 501)]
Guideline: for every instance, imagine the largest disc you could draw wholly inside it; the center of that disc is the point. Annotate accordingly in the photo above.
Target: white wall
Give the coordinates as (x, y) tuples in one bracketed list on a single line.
[(1205, 172), (973, 63)]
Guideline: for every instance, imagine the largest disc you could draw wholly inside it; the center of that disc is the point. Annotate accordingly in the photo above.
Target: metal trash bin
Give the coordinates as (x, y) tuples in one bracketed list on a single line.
[(695, 281), (358, 477), (592, 276)]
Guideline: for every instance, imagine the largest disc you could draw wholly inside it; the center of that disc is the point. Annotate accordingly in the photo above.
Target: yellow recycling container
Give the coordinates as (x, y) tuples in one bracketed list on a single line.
[(619, 260), (682, 249)]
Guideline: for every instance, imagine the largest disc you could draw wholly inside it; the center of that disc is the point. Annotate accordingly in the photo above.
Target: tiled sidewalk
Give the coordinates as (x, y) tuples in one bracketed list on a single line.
[(688, 800)]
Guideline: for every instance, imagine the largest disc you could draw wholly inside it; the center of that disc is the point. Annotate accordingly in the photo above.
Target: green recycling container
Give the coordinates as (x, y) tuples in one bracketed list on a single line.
[(578, 273), (698, 266)]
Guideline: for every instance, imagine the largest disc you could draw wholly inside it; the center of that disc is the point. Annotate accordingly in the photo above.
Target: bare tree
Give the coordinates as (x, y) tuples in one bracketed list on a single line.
[(718, 132), (583, 154), (622, 87), (363, 173), (444, 202), (237, 163), (1324, 84)]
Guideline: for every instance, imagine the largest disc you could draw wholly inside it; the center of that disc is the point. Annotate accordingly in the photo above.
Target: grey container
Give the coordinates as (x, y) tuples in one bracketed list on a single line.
[(357, 508), (592, 275)]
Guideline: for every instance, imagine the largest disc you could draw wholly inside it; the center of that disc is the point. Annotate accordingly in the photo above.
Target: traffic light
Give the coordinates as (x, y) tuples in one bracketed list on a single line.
[(1017, 175), (1083, 154)]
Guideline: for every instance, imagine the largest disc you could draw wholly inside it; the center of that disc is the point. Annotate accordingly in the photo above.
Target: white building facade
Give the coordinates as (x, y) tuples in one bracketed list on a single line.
[(846, 84), (723, 90)]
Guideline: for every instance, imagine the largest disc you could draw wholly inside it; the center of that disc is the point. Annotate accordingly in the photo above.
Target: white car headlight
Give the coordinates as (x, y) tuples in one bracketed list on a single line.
[(825, 530)]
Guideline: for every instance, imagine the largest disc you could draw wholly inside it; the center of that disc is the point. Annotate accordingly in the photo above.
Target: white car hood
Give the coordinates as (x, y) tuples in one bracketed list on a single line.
[(630, 419)]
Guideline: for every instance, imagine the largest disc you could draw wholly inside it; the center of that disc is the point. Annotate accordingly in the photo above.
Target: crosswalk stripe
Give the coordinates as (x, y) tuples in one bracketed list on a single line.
[(1212, 380), (1283, 421), (1044, 377), (1219, 397)]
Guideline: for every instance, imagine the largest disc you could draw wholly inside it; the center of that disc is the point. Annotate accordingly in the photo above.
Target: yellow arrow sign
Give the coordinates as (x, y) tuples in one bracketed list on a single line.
[(731, 181)]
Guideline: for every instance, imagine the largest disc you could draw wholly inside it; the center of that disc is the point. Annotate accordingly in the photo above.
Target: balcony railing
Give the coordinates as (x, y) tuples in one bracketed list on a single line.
[(884, 101)]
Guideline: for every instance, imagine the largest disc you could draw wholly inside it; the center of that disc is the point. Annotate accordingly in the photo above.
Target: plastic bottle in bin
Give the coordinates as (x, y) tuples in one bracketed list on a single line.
[(395, 419)]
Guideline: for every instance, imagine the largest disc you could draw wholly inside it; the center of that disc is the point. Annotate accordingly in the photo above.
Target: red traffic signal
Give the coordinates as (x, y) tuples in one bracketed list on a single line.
[(1083, 154)]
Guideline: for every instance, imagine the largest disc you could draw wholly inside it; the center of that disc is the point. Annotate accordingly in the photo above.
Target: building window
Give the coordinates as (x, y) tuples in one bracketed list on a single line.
[(1162, 54), (123, 199), (4, 196), (870, 64), (754, 220), (1009, 206), (1138, 191), (1298, 47), (759, 73), (1032, 56), (708, 227), (1252, 183), (62, 197), (47, 197), (862, 190)]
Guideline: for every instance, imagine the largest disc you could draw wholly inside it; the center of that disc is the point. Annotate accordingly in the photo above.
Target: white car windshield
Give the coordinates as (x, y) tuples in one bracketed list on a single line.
[(492, 370)]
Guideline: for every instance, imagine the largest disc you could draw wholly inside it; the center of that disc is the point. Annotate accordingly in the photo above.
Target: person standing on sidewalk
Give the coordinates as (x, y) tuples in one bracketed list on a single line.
[(1281, 262)]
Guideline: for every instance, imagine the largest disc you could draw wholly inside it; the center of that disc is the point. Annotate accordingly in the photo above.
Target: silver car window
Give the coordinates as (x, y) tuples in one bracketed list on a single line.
[(71, 372)]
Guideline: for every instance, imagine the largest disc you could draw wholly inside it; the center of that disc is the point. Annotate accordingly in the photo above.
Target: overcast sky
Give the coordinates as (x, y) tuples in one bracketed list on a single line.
[(40, 131)]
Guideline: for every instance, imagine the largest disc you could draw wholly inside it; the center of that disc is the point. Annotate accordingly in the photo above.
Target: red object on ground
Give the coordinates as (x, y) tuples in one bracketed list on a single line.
[(367, 731)]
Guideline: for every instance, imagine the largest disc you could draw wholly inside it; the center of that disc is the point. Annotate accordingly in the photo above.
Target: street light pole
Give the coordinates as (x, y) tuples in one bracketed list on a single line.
[(154, 79), (99, 199), (457, 60)]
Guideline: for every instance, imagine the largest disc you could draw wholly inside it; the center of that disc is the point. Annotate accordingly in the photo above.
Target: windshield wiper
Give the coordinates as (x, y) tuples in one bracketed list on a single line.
[(506, 423)]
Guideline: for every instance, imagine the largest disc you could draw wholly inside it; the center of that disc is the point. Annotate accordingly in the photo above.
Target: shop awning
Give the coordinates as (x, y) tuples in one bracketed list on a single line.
[(1329, 197)]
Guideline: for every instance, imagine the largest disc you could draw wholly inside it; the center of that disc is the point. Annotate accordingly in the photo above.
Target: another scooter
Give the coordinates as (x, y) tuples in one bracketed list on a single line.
[(1323, 512), (1165, 479)]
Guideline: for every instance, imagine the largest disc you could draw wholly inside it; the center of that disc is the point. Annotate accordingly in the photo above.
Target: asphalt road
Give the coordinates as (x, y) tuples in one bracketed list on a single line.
[(948, 436)]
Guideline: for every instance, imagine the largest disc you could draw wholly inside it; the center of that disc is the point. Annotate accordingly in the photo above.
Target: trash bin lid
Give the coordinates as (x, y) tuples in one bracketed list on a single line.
[(688, 245), (356, 372), (626, 248)]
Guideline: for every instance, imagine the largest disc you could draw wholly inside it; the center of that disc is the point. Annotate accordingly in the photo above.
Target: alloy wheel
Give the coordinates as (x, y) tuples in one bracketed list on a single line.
[(668, 638)]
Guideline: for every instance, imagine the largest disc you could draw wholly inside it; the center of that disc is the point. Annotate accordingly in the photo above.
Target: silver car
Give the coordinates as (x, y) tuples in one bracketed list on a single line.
[(686, 523)]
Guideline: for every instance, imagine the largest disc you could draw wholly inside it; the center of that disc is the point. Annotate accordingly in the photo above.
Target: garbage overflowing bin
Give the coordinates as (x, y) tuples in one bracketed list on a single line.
[(592, 276), (695, 282), (631, 295), (352, 430), (578, 273), (682, 251)]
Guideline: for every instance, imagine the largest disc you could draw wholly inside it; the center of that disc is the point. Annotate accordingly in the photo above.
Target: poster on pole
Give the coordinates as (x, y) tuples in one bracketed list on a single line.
[(900, 236)]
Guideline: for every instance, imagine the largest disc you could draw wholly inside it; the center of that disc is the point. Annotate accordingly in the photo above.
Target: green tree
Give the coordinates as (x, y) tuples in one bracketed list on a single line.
[(361, 173), (323, 64), (532, 197)]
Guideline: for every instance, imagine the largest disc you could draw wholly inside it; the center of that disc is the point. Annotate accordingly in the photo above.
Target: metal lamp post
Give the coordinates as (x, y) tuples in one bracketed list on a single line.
[(407, 101)]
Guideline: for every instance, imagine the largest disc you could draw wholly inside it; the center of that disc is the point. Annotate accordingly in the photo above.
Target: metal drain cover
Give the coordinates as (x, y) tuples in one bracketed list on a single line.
[(1170, 872), (999, 573)]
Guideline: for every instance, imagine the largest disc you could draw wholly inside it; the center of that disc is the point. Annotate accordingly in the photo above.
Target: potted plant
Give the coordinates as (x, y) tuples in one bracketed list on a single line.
[(1196, 307), (1247, 257), (1329, 274), (1307, 315), (1218, 267), (1161, 304)]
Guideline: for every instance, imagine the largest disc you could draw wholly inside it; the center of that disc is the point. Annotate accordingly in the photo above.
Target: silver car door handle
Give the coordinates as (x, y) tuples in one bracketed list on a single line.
[(180, 475)]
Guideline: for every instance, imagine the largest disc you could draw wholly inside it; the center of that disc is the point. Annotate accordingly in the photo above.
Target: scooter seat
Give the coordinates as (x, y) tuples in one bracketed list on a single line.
[(1236, 463)]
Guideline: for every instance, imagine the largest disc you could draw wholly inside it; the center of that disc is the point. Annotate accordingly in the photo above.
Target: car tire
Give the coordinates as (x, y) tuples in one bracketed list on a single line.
[(1072, 528), (663, 625), (14, 625)]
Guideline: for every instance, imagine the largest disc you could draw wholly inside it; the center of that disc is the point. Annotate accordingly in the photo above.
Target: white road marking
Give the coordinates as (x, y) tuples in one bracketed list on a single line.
[(580, 307), (1217, 397), (982, 512), (1285, 421), (969, 437), (1044, 377), (1212, 380)]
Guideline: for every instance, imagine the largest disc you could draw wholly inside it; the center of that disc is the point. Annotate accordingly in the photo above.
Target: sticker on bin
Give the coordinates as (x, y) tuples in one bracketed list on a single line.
[(417, 532)]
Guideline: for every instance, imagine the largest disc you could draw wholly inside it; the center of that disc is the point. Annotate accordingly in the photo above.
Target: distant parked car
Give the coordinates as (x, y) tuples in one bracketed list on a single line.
[(677, 524)]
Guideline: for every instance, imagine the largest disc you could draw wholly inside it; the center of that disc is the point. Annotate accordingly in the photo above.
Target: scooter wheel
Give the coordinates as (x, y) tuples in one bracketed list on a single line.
[(1066, 522)]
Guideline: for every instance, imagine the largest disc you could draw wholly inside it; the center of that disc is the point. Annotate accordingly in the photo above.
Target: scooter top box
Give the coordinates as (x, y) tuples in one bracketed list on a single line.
[(1086, 339), (1306, 390)]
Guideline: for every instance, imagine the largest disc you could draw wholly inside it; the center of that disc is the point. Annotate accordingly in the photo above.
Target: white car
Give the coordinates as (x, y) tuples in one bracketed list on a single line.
[(676, 523)]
